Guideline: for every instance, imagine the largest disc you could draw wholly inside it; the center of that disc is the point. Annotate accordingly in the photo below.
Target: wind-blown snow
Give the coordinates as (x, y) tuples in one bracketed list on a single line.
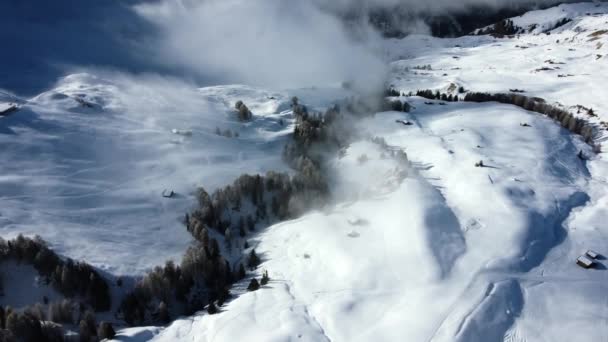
[(434, 249), (446, 251), (436, 258), (89, 180)]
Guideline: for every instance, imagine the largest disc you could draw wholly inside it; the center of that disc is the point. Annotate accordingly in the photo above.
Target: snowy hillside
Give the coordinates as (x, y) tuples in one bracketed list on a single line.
[(435, 221), (445, 251), (567, 66), (451, 252), (107, 147)]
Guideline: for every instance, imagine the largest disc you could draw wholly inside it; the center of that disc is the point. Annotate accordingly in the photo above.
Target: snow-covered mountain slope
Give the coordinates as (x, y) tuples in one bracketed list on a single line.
[(447, 253), (442, 250), (566, 66), (457, 221), (542, 21), (87, 162)]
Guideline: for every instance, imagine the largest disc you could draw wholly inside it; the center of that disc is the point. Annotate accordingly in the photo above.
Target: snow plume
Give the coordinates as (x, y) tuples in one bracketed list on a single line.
[(286, 43), (265, 42)]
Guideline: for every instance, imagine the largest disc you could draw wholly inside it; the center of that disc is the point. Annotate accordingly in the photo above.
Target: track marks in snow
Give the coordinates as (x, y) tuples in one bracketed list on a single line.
[(310, 317)]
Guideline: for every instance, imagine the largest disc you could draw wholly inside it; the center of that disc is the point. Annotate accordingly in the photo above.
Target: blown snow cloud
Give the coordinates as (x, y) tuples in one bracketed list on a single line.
[(286, 43), (279, 43)]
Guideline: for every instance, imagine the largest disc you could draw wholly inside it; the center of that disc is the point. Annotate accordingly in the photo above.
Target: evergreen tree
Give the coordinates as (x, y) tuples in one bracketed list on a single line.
[(84, 333), (212, 309), (163, 313), (242, 272), (265, 278), (253, 260), (253, 285), (105, 331)]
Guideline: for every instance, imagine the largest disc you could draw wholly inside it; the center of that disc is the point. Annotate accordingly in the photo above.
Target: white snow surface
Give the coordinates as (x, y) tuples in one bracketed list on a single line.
[(89, 178), (447, 254), (577, 51), (435, 250), (22, 286), (452, 252)]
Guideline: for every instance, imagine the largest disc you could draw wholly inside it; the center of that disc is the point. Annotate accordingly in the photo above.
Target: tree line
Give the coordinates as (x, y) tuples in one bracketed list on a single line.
[(70, 278), (534, 104), (84, 289), (221, 222), (224, 218)]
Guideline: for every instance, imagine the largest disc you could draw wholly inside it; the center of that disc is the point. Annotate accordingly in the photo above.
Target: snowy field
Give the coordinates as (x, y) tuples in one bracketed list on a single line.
[(88, 176), (568, 65), (451, 252), (429, 249)]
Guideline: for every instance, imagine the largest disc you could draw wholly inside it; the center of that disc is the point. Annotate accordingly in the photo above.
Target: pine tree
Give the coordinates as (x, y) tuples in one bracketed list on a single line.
[(265, 278), (212, 309), (244, 113), (163, 313), (253, 285), (105, 331), (250, 223), (84, 332), (89, 320), (214, 249), (242, 272), (253, 261), (228, 238), (3, 318)]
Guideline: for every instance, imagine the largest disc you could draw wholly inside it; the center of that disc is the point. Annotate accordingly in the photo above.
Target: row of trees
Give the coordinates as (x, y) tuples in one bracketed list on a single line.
[(437, 95), (500, 29), (534, 104), (397, 106), (72, 279), (226, 133), (33, 325), (204, 276), (391, 92)]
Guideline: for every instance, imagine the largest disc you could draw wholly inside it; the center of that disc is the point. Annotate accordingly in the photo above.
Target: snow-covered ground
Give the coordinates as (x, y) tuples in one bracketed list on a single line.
[(434, 249), (449, 253), (452, 252), (88, 176), (568, 66)]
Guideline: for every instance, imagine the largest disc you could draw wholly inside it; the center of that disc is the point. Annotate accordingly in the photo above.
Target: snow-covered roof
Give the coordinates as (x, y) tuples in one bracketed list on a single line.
[(584, 261), (591, 254)]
